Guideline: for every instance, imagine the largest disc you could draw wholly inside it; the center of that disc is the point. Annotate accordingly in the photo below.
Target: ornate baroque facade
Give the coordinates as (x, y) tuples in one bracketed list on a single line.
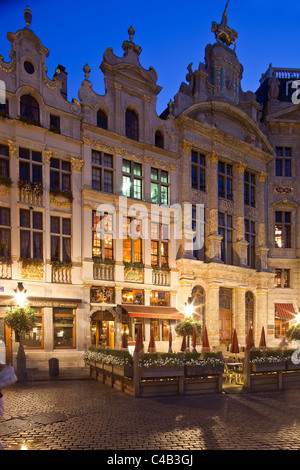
[(232, 152)]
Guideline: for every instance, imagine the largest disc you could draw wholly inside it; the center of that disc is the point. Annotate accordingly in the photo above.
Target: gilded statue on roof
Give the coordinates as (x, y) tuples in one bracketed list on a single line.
[(222, 32)]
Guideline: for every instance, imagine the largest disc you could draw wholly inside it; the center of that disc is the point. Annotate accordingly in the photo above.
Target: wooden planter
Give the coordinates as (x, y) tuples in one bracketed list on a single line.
[(161, 372), (268, 367), (291, 366), (108, 367), (124, 371), (203, 370)]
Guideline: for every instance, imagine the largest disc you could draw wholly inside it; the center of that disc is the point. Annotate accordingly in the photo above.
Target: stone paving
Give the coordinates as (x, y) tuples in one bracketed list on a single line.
[(78, 413)]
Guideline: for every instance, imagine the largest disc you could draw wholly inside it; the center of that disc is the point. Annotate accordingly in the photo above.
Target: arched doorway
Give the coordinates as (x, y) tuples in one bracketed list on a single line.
[(249, 312), (198, 301), (225, 315), (103, 329)]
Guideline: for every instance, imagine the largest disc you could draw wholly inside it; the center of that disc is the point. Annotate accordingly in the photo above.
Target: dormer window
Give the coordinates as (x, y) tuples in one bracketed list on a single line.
[(101, 119), (131, 124), (159, 139), (29, 108)]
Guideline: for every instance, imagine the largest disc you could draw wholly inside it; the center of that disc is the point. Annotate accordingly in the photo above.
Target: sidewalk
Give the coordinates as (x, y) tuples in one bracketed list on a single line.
[(68, 373)]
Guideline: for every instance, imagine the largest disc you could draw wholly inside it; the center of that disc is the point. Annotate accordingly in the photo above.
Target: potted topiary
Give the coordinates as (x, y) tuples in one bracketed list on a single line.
[(187, 324), (293, 333)]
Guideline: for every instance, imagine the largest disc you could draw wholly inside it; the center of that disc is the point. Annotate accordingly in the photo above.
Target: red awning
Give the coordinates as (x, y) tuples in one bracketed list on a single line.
[(284, 312), (166, 313)]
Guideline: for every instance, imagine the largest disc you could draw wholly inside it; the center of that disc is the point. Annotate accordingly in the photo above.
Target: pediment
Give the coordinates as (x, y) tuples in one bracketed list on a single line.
[(229, 120), (290, 114)]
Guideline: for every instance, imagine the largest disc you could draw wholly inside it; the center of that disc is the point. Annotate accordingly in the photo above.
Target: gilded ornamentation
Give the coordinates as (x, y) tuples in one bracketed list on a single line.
[(76, 165), (32, 272), (261, 234), (262, 177), (186, 146), (13, 150), (214, 157), (222, 32), (47, 156), (240, 168)]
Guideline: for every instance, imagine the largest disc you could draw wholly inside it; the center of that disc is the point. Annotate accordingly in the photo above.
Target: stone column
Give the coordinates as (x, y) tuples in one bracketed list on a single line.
[(118, 112), (87, 254), (212, 314), (239, 314), (47, 203), (261, 315), (213, 239), (14, 216), (261, 249), (241, 244), (76, 220)]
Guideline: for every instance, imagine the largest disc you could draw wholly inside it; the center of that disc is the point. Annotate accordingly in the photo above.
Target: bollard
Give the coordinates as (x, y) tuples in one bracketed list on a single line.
[(53, 367)]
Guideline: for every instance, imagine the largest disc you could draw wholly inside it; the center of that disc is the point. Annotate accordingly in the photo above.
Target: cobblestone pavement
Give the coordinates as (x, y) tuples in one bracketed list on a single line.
[(87, 415)]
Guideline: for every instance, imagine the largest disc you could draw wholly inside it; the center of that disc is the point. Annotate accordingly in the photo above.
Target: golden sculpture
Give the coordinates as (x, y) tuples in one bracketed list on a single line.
[(222, 32)]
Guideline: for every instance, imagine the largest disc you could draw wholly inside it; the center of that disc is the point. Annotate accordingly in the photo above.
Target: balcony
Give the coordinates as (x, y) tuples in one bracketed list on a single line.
[(30, 193), (160, 277), (102, 271), (5, 270), (62, 273)]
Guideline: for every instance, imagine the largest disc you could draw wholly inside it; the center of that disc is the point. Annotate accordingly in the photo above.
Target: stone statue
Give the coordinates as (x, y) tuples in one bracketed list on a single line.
[(222, 32), (273, 87)]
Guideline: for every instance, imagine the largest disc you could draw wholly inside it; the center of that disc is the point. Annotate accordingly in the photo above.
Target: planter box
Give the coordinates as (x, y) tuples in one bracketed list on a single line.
[(268, 367), (161, 372), (291, 366), (108, 367), (203, 370), (124, 371)]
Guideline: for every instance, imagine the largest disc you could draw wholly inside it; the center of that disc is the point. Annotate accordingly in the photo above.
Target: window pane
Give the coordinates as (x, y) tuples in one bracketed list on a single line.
[(24, 218), (5, 250), (54, 163), (36, 156), (54, 180), (66, 226), (66, 255), (96, 178), (55, 249), (66, 182), (108, 161), (36, 173), (126, 166), (24, 153), (108, 181), (96, 157), (137, 189), (137, 169), (4, 216), (63, 331), (55, 226), (154, 193), (126, 185), (34, 338), (37, 241), (24, 171), (25, 244)]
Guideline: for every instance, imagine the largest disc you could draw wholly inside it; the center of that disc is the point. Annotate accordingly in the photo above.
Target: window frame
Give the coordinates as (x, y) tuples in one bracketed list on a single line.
[(198, 171), (99, 242), (102, 170), (249, 189), (62, 258), (160, 184), (283, 229), (225, 180), (65, 315), (32, 164), (225, 230), (132, 177), (161, 243), (283, 162), (5, 227), (30, 230), (62, 174), (131, 124)]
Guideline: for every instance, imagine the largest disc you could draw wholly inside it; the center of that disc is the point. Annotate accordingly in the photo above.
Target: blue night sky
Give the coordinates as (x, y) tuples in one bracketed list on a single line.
[(172, 34)]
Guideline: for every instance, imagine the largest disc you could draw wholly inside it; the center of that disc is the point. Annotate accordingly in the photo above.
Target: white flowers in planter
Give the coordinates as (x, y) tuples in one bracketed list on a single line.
[(108, 359), (161, 362), (209, 361), (267, 360)]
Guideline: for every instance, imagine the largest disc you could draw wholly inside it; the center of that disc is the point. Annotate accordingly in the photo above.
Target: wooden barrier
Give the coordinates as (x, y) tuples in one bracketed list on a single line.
[(281, 379), (139, 386)]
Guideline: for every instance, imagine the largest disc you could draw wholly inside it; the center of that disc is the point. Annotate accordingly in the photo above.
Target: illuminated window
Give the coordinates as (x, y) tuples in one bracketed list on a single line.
[(132, 243), (159, 186), (63, 328), (102, 236), (132, 179), (282, 278), (283, 229), (159, 244), (35, 337)]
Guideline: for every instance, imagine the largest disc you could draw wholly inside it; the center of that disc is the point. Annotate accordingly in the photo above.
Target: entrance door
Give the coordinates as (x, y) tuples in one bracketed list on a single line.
[(225, 316)]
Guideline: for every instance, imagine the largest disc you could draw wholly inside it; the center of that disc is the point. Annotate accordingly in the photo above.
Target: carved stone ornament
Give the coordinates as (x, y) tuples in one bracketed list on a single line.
[(283, 190), (226, 206), (76, 165)]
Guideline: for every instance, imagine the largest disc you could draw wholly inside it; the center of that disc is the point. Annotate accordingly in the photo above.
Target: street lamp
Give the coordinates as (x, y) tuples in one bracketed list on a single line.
[(20, 295), (189, 308)]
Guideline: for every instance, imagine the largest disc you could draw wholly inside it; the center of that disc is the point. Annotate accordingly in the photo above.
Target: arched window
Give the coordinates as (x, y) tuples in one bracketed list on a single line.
[(29, 108), (249, 311), (198, 301), (131, 124), (101, 119), (159, 139)]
